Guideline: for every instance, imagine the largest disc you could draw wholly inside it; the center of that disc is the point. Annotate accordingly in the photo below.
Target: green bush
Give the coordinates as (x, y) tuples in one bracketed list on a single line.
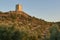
[(10, 33), (53, 32)]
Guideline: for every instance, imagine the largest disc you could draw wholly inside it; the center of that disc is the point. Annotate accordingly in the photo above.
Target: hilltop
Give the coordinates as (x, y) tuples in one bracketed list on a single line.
[(23, 17)]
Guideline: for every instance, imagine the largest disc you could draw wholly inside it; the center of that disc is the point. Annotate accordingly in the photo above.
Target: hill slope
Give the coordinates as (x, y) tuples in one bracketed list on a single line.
[(24, 22)]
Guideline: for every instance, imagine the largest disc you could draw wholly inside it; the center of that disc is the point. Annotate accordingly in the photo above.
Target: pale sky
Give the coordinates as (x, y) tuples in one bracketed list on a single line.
[(48, 10)]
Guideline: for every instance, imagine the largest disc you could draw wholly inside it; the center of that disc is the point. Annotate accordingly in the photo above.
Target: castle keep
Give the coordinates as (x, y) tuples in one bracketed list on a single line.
[(18, 7)]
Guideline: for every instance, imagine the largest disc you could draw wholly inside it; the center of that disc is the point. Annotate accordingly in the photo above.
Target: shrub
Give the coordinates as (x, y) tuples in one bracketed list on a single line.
[(10, 33), (53, 32)]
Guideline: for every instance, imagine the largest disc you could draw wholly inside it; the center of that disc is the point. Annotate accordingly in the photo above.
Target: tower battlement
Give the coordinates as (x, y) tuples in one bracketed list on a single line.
[(18, 7)]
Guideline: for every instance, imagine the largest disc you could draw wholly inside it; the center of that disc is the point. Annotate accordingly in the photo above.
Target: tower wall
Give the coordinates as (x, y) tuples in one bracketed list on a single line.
[(18, 7)]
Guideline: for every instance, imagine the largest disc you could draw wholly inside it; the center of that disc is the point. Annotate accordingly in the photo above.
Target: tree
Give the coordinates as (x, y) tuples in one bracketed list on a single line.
[(53, 32)]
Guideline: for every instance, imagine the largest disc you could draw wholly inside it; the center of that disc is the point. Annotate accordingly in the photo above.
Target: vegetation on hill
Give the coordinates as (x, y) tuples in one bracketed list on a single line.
[(18, 27)]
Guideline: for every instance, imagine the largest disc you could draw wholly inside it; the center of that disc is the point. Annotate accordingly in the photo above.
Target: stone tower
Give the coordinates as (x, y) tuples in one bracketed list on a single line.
[(18, 7)]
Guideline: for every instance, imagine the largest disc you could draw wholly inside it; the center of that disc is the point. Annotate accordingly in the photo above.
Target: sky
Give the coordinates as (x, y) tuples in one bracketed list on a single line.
[(48, 10)]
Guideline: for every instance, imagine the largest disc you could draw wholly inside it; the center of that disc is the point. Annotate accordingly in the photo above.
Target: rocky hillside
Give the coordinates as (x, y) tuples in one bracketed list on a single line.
[(33, 26)]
